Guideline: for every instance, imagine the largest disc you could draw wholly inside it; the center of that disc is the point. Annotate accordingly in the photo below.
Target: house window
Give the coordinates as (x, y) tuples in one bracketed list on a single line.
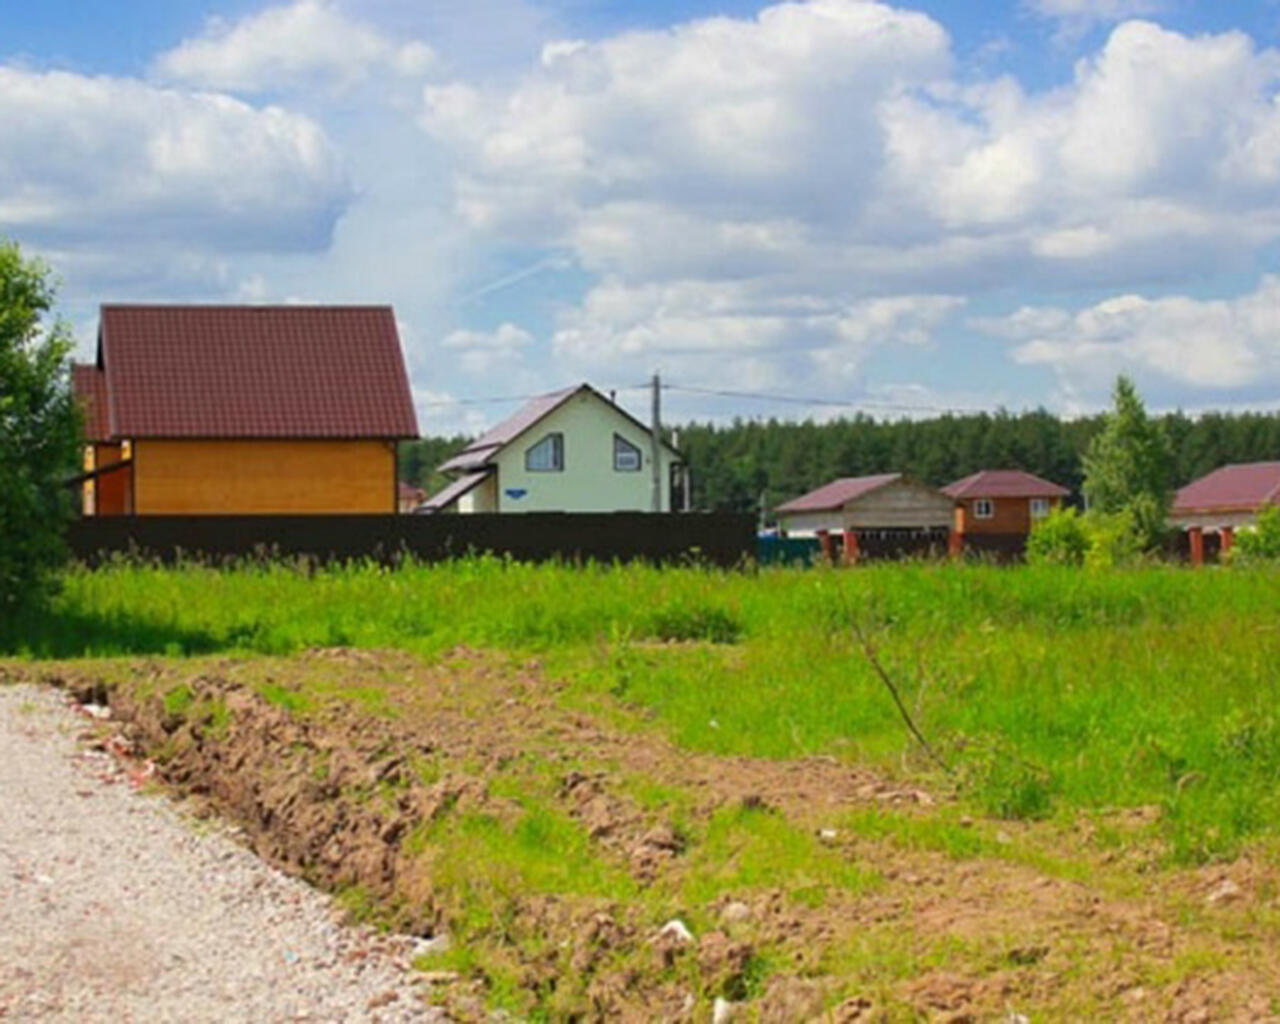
[(626, 456), (547, 456), (1039, 508), (984, 508)]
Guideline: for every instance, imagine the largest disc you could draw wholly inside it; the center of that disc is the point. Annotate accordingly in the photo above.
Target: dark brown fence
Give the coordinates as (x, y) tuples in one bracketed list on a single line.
[(1003, 548), (709, 538)]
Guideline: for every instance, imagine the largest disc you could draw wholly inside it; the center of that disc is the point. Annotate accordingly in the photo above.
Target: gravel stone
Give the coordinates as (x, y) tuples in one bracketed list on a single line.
[(115, 905)]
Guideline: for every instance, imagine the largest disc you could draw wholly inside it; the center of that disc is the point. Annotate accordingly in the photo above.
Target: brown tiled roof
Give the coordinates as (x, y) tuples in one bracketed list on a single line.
[(89, 385), (1241, 488), (255, 372), (838, 493), (1003, 483)]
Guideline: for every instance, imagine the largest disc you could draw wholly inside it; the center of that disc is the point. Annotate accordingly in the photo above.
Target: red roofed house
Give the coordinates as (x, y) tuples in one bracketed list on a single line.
[(854, 505), (233, 410), (1223, 501), (1000, 501)]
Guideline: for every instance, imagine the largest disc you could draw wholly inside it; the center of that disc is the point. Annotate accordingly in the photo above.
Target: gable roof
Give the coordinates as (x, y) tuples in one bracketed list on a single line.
[(1003, 483), (254, 372), (1244, 487), (483, 449), (838, 493), (89, 385)]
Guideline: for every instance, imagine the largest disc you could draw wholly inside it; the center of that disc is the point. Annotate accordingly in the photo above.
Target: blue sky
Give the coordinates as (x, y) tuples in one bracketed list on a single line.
[(894, 208)]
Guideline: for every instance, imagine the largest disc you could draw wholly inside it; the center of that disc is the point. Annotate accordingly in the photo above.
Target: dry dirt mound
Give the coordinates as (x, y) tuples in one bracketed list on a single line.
[(338, 765)]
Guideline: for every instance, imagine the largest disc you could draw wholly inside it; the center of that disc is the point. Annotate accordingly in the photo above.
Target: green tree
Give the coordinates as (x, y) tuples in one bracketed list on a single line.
[(39, 431), (1127, 466)]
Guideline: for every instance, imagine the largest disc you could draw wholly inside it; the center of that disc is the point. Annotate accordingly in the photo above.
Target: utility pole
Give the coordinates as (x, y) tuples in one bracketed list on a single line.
[(655, 455)]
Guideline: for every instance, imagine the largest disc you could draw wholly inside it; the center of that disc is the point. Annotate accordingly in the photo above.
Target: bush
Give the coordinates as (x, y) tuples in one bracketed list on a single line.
[(1058, 539), (1261, 542), (1097, 540), (1114, 540), (39, 432)]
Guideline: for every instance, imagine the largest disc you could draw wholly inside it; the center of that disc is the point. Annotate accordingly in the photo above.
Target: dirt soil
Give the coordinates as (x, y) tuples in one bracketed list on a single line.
[(335, 762)]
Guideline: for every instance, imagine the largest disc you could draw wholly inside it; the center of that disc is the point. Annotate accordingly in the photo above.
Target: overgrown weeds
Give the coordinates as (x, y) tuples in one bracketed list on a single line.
[(1143, 687)]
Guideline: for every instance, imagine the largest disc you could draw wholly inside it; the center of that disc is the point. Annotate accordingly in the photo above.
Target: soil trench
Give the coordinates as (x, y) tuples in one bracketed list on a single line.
[(355, 769)]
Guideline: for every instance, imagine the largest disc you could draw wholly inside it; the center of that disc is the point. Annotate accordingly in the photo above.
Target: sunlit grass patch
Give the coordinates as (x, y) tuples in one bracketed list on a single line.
[(744, 849)]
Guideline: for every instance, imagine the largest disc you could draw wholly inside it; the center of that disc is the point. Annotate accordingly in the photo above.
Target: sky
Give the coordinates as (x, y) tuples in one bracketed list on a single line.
[(799, 209)]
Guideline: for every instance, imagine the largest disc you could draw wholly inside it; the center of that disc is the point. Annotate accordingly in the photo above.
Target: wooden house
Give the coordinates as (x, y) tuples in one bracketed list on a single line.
[(1223, 501), (572, 450), (237, 410), (855, 507), (1001, 501)]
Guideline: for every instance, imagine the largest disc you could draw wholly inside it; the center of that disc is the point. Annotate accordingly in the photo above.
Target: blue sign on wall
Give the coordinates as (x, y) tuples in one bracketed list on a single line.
[(515, 493)]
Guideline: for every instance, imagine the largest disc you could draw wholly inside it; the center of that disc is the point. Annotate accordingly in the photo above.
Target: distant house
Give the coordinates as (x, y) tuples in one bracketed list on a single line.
[(1001, 501), (1223, 501), (229, 410), (410, 497), (572, 450), (854, 507)]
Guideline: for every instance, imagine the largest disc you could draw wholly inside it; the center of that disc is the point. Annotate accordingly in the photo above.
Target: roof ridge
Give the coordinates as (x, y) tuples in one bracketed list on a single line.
[(271, 306)]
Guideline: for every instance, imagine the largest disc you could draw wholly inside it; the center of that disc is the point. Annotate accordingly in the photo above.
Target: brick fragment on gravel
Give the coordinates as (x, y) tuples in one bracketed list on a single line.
[(115, 906)]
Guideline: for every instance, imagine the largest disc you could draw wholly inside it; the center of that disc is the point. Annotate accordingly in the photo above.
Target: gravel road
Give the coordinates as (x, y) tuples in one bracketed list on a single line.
[(116, 906)]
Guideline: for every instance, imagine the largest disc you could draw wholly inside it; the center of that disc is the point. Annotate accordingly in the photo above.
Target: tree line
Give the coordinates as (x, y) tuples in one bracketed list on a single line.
[(738, 465)]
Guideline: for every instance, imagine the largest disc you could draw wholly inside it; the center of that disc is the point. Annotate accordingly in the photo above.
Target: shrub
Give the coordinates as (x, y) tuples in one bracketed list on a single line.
[(1260, 543), (1114, 540), (1058, 539), (39, 432)]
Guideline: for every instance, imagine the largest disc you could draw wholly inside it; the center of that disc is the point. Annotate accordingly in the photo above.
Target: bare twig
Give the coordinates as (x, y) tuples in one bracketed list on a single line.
[(873, 659)]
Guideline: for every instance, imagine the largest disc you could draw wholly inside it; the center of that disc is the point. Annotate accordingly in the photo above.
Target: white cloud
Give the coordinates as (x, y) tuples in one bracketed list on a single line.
[(1078, 16), (310, 43), (727, 333), (486, 351), (736, 185), (1219, 344), (117, 161)]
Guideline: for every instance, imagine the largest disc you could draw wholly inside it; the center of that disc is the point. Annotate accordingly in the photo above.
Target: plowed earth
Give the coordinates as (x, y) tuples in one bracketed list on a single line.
[(348, 768)]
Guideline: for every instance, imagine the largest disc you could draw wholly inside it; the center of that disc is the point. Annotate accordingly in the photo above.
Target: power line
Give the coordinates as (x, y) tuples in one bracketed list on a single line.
[(499, 399), (756, 396), (762, 396)]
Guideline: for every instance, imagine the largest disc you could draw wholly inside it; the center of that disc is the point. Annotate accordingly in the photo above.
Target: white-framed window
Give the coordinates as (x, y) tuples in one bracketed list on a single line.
[(984, 508), (547, 456), (626, 456), (1039, 508)]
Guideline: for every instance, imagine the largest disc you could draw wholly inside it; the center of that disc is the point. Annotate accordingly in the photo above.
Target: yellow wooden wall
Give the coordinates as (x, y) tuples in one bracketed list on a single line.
[(264, 477)]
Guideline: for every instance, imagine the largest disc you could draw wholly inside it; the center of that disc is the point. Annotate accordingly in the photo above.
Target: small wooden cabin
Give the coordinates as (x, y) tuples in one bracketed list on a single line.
[(854, 507), (238, 410)]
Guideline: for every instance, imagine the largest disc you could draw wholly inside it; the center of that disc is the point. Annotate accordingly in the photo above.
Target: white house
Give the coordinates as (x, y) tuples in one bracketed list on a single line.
[(569, 451)]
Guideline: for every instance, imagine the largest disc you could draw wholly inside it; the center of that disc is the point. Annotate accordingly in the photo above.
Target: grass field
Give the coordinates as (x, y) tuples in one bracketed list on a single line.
[(1046, 691)]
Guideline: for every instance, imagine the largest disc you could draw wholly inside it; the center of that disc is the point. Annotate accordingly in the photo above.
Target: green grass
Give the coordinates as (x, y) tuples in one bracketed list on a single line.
[(1048, 689), (747, 849)]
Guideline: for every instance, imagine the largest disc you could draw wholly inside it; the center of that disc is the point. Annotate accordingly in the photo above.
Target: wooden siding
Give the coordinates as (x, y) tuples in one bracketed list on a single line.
[(264, 477), (112, 491), (896, 506), (899, 505), (1010, 515)]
